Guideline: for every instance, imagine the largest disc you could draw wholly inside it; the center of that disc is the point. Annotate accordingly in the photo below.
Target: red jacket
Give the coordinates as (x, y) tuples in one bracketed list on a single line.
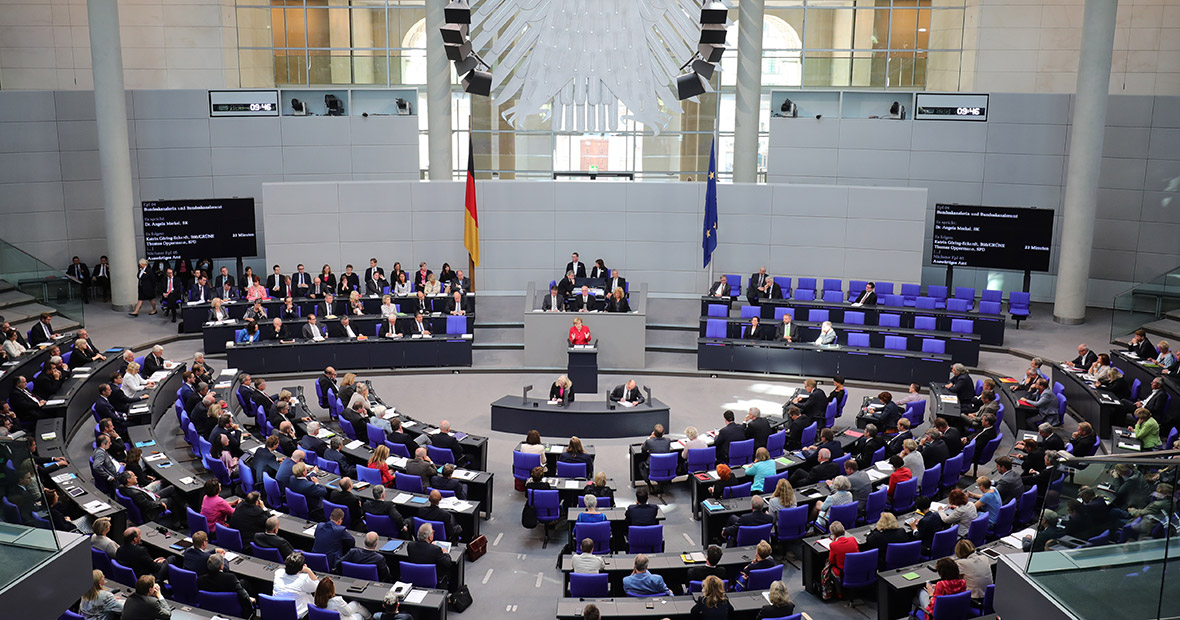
[(580, 336), (946, 586), (387, 478), (841, 547), (898, 476)]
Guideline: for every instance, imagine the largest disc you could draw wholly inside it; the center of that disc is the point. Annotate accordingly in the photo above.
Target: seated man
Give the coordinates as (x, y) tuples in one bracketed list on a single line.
[(366, 555), (757, 286), (757, 516), (554, 301), (445, 481), (422, 550), (457, 305), (433, 513), (311, 331), (151, 504), (1044, 400), (867, 297), (627, 394), (584, 301), (217, 579), (332, 538), (642, 583), (719, 288), (787, 330), (270, 539)]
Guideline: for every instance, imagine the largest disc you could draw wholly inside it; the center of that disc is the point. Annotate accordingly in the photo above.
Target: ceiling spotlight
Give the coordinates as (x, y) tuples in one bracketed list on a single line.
[(458, 12), (704, 69), (454, 33), (711, 52), (462, 67), (689, 85), (713, 34), (458, 52), (714, 13), (478, 83)]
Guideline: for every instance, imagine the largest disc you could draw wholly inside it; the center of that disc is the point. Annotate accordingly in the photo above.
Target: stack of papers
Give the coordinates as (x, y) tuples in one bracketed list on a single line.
[(402, 498), (229, 372), (158, 376), (186, 480), (875, 475), (325, 433), (310, 531), (417, 596), (826, 543), (55, 402), (464, 474), (155, 457), (96, 506), (1017, 540), (883, 466), (48, 436), (60, 478), (949, 398), (354, 444)]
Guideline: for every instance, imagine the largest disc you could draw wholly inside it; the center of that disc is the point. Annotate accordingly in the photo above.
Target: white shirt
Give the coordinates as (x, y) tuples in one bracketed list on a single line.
[(132, 383), (348, 331), (299, 587)]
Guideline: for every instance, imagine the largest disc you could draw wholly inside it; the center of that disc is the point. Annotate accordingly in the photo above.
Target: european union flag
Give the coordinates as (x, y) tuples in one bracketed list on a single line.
[(709, 241)]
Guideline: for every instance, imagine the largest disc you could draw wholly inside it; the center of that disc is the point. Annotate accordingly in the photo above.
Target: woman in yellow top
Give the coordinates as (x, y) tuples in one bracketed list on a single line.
[(1147, 430)]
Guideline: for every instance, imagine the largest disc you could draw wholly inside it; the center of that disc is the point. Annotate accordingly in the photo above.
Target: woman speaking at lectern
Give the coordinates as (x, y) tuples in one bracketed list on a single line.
[(579, 334)]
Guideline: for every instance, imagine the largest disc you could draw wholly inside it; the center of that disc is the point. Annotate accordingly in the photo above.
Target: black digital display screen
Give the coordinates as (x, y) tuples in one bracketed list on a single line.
[(199, 228), (1014, 238)]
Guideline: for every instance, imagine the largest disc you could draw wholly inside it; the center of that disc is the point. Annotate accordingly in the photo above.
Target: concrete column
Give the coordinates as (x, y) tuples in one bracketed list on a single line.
[(438, 95), (1085, 161), (842, 27), (749, 91), (363, 67), (114, 152)]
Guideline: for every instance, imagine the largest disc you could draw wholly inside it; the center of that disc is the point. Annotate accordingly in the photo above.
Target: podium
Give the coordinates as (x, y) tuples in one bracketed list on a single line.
[(583, 369)]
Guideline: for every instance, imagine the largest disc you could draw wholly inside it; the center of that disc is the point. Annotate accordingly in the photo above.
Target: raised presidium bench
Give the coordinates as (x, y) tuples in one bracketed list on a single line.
[(424, 604), (216, 336), (307, 356), (196, 315), (865, 363), (962, 347), (583, 418)]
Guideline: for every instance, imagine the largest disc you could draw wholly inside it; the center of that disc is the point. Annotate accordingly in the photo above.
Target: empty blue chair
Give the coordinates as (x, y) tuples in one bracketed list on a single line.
[(584, 585), (369, 475), (359, 571), (903, 496), (524, 462), (407, 482), (925, 323), (456, 325), (793, 523), (297, 504), (274, 493), (196, 521), (1018, 306), (802, 294), (398, 449), (317, 613), (741, 453), (1005, 520), (926, 303), (963, 326), (332, 467), (807, 284), (780, 312), (988, 294), (701, 459), (808, 437), (884, 288), (270, 554), (383, 525), (844, 513), (910, 293), (760, 579), (375, 435), (1062, 405), (893, 301), (441, 456), (833, 297), (896, 343), (122, 574), (440, 528), (717, 310), (784, 284), (832, 284), (934, 345), (748, 535), (854, 317), (930, 481), (571, 470), (645, 539), (228, 537), (951, 468), (958, 305), (598, 532), (898, 555), (737, 490), (855, 287), (858, 339), (716, 328), (938, 293), (100, 560), (977, 531), (735, 285), (943, 543), (875, 504), (886, 319), (751, 311), (776, 443), (817, 315), (277, 608), (968, 455), (990, 307), (184, 585), (549, 509), (860, 570), (662, 467), (225, 603)]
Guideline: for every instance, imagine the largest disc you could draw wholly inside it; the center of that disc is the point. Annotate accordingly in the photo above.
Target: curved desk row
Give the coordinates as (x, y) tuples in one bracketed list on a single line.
[(512, 414), (74, 482), (28, 364), (1134, 368), (475, 447), (216, 335), (963, 348), (261, 573), (343, 353), (670, 565), (196, 314), (990, 327), (878, 365), (1102, 409), (745, 605)]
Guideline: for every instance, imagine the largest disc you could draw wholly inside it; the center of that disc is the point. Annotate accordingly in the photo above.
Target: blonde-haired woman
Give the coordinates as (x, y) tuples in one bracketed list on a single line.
[(355, 307), (713, 604), (132, 382), (783, 497), (98, 603), (617, 302), (562, 391), (432, 286), (693, 441), (780, 603), (146, 287)]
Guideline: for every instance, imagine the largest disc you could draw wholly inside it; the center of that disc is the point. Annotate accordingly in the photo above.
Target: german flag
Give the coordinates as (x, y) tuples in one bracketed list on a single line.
[(471, 217)]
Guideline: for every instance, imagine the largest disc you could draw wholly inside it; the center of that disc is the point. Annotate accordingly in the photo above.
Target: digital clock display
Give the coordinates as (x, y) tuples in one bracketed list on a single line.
[(950, 107), (243, 103)]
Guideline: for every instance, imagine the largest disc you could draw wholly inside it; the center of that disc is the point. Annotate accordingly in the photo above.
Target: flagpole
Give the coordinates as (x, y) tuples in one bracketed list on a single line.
[(471, 147)]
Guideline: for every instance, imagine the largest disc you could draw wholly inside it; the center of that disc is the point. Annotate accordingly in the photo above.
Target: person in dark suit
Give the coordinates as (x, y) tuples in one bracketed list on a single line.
[(285, 433), (617, 301), (615, 281), (397, 436), (713, 557), (417, 326), (146, 287), (933, 448), (1141, 346), (332, 538), (85, 351), (757, 427), (171, 292), (757, 331), (726, 435), (759, 283), (196, 557), (309, 488), (628, 392), (311, 331), (344, 497), (366, 555), (300, 282), (151, 504), (318, 289), (814, 404), (250, 516), (223, 278), (796, 424), (584, 301), (265, 460), (135, 556), (349, 281), (270, 538), (756, 516), (719, 288), (444, 480), (153, 362), (148, 601), (278, 331), (201, 291), (641, 513), (457, 305), (460, 283), (328, 387), (334, 453), (961, 384), (787, 330), (433, 513), (867, 297), (903, 433), (554, 301), (576, 266), (444, 439), (276, 284), (884, 417), (80, 272), (374, 270), (422, 550), (824, 469), (378, 506), (1085, 359), (867, 445), (217, 579)]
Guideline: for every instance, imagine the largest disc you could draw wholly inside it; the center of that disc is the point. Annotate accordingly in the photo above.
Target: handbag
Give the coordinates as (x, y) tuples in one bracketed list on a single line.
[(459, 600), (528, 515), (477, 548)]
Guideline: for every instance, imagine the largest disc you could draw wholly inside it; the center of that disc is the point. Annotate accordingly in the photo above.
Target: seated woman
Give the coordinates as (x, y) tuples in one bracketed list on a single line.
[(355, 307), (950, 581), (401, 286), (326, 598), (575, 453), (221, 452), (387, 307), (599, 488), (217, 313), (432, 286), (579, 334), (214, 507), (591, 514), (780, 603), (536, 480), (250, 334), (783, 497), (693, 441), (562, 391), (724, 479), (1146, 429), (617, 302), (377, 461), (256, 291), (133, 383), (1096, 367), (1165, 358), (532, 443), (885, 416), (974, 567), (841, 494), (760, 469), (712, 604), (886, 532), (832, 573)]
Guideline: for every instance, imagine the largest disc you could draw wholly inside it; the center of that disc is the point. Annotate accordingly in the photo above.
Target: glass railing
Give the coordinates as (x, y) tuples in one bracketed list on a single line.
[(1106, 543), (27, 538), (48, 285)]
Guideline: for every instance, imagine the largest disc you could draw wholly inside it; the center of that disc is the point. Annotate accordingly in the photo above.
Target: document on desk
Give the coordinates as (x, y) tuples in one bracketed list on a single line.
[(158, 376), (950, 399), (229, 372), (1129, 446), (464, 474), (397, 461), (415, 596), (310, 531), (48, 436), (1017, 540), (402, 498), (572, 484), (826, 543), (877, 475), (325, 433), (96, 506), (55, 402), (155, 457), (60, 478), (556, 449), (354, 444)]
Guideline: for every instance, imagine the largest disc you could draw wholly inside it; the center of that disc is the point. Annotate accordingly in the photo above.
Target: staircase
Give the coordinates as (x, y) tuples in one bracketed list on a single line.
[(29, 287), (1153, 305)]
